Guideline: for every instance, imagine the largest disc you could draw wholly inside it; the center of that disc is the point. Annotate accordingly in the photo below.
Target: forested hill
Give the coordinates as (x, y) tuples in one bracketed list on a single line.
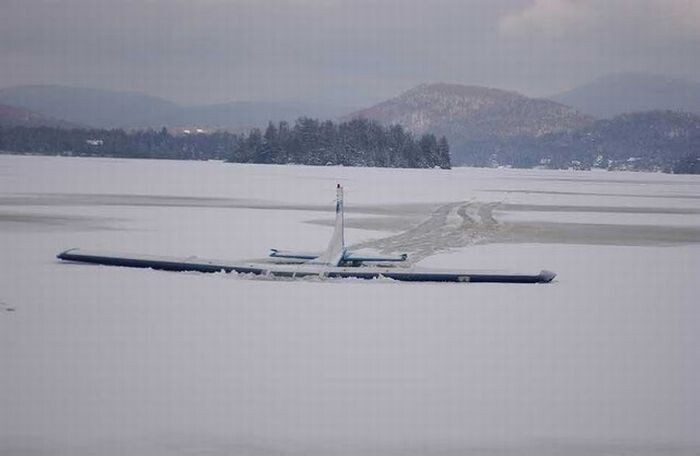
[(359, 142), (465, 114), (649, 141), (12, 116)]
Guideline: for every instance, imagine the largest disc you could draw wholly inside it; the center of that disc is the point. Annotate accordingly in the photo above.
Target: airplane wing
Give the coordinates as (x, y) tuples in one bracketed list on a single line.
[(300, 270)]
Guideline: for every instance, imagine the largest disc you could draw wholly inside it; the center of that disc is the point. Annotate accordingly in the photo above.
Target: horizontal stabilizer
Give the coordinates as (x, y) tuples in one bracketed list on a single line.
[(356, 257), (347, 256), (293, 255)]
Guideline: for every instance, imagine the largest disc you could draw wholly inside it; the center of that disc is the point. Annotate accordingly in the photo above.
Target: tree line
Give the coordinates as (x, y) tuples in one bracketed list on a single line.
[(358, 142)]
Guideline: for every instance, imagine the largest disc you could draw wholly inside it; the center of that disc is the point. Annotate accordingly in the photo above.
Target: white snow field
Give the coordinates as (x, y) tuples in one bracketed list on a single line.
[(99, 360)]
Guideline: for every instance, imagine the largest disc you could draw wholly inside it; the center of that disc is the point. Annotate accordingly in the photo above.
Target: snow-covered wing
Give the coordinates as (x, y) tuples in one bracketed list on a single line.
[(300, 270)]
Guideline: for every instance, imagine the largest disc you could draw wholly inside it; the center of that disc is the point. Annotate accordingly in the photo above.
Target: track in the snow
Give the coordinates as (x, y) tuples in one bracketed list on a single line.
[(450, 226)]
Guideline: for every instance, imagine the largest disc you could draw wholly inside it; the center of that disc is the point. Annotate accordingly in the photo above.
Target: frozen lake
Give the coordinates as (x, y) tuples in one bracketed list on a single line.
[(100, 360)]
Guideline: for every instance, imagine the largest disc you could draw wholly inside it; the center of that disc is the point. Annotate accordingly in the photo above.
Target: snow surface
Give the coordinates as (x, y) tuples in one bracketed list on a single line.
[(102, 360)]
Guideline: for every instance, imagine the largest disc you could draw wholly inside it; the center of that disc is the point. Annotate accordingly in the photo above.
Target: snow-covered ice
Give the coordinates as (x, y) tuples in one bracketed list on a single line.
[(100, 360)]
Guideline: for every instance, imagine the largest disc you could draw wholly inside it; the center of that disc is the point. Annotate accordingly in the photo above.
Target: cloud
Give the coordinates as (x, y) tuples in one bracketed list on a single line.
[(567, 42), (685, 13), (348, 51), (671, 19), (549, 18)]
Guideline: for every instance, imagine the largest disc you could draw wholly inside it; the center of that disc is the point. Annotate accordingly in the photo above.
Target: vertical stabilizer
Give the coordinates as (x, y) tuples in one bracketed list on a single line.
[(335, 251)]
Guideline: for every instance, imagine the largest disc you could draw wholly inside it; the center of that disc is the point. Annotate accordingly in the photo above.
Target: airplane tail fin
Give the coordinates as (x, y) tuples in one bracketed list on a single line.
[(335, 251)]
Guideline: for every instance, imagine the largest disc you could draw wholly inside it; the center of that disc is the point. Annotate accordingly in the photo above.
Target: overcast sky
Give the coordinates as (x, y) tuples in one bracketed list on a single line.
[(350, 52)]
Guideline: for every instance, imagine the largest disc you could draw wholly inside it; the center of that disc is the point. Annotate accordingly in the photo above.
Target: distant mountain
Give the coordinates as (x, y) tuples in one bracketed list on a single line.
[(465, 114), (11, 116), (93, 107), (115, 109), (630, 92)]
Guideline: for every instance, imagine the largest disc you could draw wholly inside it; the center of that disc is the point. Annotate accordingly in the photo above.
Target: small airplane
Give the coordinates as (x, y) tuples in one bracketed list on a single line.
[(334, 262), (336, 254)]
